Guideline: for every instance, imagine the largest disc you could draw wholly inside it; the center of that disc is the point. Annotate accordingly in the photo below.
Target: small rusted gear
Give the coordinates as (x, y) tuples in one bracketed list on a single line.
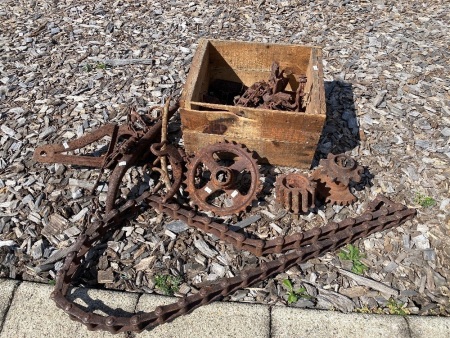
[(334, 176), (295, 192), (223, 178)]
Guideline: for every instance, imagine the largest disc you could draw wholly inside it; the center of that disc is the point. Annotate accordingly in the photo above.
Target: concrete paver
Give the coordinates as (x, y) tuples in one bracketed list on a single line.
[(34, 314), (7, 287), (290, 322), (429, 327), (27, 311), (215, 320)]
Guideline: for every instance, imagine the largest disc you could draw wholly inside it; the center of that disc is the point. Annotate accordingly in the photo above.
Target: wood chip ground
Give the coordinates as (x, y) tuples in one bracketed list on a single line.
[(68, 67)]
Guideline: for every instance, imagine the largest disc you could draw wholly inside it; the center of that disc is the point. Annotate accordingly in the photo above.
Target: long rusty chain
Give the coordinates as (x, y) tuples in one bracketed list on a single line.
[(381, 214)]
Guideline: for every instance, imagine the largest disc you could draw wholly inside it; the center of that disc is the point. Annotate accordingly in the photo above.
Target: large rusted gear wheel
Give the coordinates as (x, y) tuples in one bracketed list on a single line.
[(223, 178), (295, 192), (334, 176)]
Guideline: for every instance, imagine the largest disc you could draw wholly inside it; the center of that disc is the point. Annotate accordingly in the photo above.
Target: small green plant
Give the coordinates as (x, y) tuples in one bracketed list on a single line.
[(168, 284), (396, 308), (351, 253), (101, 65), (392, 307), (294, 295), (88, 67), (424, 201), (52, 282)]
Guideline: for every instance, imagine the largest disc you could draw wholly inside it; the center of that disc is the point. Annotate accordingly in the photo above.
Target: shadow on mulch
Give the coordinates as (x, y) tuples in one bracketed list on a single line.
[(341, 130)]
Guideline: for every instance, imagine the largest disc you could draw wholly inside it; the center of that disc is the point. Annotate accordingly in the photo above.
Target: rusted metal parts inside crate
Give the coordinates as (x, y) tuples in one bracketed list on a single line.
[(221, 70)]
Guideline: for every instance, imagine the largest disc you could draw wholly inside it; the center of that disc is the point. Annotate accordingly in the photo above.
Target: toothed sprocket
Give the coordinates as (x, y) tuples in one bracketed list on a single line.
[(223, 178), (334, 176), (295, 192)]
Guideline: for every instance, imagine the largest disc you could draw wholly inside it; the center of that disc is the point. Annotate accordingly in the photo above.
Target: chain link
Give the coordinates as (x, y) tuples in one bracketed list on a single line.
[(381, 214)]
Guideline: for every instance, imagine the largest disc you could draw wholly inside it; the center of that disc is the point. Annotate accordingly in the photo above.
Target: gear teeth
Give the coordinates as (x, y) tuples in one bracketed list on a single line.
[(333, 177), (295, 192), (333, 192), (341, 168), (342, 203)]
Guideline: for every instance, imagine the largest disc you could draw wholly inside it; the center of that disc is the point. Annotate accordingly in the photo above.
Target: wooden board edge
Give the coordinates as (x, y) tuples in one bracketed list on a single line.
[(321, 84), (193, 75), (300, 156), (314, 143), (238, 109), (222, 41)]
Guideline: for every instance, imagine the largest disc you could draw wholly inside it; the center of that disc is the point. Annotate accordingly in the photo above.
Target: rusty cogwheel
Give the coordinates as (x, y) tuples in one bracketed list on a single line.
[(223, 178), (295, 192), (334, 176)]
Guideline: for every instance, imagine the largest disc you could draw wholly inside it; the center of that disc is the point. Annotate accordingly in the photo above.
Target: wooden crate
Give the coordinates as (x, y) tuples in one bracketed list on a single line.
[(281, 138)]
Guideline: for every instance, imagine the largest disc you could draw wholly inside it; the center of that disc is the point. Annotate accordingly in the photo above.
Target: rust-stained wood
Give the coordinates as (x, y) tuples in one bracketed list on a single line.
[(269, 151), (270, 124), (199, 68), (283, 138)]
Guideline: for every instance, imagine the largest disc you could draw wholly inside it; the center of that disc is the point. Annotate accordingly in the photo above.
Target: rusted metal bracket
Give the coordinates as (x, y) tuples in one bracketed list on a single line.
[(54, 153), (272, 94)]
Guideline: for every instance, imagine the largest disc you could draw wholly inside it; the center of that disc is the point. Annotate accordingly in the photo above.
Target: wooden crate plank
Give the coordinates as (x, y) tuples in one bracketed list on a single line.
[(315, 86), (199, 70), (258, 56), (254, 123), (273, 152), (320, 99)]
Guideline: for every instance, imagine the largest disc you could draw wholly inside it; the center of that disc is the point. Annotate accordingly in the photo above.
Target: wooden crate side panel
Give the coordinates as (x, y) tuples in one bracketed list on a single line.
[(322, 109), (276, 153), (265, 124), (258, 56), (309, 87), (315, 100), (251, 62), (197, 81)]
